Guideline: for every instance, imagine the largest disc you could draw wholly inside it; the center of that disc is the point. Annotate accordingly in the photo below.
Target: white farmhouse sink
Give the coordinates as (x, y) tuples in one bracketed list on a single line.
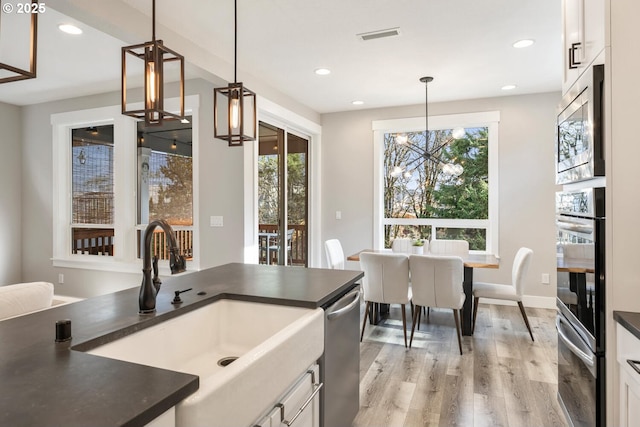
[(273, 344)]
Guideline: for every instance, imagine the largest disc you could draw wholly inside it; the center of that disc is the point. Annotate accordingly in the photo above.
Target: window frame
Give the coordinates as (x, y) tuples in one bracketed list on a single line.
[(125, 188), (488, 119)]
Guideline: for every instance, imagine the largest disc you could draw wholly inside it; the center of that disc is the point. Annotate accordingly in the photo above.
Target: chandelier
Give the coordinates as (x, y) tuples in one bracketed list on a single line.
[(425, 155)]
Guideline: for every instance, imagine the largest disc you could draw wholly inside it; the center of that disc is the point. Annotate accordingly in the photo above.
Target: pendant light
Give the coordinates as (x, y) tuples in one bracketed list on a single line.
[(447, 167), (234, 106), (12, 73), (155, 55)]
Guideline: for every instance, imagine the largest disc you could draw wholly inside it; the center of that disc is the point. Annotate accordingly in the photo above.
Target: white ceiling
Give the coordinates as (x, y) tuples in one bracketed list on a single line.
[(465, 45)]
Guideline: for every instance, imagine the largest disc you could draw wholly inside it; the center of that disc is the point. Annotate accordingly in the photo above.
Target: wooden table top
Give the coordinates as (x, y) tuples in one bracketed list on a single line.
[(471, 260), (576, 265)]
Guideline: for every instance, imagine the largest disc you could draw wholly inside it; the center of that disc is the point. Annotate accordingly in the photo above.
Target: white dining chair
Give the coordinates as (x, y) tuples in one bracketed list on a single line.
[(385, 281), (511, 292), (334, 253), (436, 281), (449, 247), (401, 245)]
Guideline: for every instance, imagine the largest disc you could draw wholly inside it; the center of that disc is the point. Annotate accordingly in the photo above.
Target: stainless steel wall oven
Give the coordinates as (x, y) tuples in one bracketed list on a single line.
[(580, 225)]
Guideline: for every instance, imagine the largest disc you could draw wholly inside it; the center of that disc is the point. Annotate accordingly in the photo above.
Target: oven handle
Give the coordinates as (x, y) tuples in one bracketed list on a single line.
[(588, 359)]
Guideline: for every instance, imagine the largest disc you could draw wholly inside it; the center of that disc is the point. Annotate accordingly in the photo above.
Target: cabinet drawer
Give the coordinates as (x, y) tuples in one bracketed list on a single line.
[(303, 392)]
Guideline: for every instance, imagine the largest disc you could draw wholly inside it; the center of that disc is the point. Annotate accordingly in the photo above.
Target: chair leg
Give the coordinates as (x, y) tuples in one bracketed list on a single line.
[(364, 321), (457, 319), (428, 312), (475, 313), (526, 321), (411, 302), (415, 317), (404, 324), (419, 317)]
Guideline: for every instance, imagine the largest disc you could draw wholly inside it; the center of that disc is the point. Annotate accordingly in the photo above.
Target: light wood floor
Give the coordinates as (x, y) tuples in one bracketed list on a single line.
[(502, 378)]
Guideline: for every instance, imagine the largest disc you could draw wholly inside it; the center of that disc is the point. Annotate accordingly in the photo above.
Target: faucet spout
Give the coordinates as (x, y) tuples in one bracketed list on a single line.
[(151, 286)]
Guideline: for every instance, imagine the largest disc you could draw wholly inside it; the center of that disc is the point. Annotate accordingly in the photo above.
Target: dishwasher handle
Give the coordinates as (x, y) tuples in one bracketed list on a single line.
[(333, 313)]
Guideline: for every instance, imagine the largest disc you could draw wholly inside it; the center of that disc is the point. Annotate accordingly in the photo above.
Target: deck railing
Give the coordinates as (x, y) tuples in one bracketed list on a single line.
[(100, 241), (92, 241)]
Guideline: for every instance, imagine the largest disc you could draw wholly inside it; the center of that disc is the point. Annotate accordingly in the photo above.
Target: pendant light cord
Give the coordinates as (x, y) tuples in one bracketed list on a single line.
[(426, 114), (153, 21), (235, 41), (426, 81)]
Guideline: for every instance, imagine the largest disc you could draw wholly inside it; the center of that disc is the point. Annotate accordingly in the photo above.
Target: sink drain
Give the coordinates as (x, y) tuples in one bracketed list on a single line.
[(225, 361)]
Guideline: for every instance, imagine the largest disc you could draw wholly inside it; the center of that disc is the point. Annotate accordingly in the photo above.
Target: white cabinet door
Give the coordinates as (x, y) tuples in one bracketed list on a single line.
[(628, 347), (629, 400), (582, 37)]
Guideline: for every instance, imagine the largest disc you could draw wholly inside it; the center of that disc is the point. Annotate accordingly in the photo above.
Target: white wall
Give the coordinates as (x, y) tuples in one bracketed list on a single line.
[(10, 208), (622, 95), (526, 183), (219, 169)]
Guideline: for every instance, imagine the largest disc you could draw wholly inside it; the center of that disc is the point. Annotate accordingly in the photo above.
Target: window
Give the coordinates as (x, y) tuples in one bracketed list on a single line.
[(165, 184), (440, 187), (92, 196), (100, 172)]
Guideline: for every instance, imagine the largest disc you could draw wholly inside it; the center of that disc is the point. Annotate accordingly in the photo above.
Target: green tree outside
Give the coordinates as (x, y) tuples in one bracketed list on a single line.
[(417, 187)]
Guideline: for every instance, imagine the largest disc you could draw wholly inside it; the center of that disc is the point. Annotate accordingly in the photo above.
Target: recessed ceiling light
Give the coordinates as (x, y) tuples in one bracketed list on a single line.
[(69, 29), (357, 102), (323, 71), (509, 87), (523, 43)]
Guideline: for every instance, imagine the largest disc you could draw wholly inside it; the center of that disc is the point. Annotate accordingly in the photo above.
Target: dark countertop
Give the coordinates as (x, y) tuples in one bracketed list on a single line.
[(630, 321), (55, 384)]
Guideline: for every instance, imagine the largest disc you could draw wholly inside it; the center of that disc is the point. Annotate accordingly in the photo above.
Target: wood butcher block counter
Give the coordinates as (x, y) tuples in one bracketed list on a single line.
[(56, 384)]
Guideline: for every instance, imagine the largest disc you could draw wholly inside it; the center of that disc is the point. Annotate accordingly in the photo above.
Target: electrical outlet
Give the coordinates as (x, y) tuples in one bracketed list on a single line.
[(545, 278), (60, 278)]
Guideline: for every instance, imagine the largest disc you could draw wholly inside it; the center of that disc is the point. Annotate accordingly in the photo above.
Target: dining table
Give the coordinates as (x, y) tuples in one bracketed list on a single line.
[(471, 261)]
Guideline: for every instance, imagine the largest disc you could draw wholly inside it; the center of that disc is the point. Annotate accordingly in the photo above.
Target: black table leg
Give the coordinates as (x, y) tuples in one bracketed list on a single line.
[(467, 308), (377, 311)]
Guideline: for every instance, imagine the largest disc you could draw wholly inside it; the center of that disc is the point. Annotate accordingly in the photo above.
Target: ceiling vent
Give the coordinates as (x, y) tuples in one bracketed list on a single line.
[(390, 32)]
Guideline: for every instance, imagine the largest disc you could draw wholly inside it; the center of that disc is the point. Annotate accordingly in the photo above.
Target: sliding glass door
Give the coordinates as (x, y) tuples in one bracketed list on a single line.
[(283, 159)]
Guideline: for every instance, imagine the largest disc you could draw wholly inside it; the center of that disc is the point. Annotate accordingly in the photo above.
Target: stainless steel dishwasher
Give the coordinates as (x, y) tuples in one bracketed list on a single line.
[(340, 363)]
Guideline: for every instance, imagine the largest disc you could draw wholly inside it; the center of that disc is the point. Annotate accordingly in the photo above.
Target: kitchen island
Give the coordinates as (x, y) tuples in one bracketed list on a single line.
[(56, 384)]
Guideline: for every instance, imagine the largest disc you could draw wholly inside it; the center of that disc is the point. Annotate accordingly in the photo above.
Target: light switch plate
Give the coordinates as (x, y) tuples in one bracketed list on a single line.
[(338, 214), (216, 221)]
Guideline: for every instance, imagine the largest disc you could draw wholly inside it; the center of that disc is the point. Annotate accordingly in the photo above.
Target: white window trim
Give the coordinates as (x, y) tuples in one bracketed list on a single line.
[(125, 175), (490, 119)]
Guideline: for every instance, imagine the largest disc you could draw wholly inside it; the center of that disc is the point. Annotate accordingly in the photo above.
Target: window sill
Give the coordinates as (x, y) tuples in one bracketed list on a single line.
[(115, 266)]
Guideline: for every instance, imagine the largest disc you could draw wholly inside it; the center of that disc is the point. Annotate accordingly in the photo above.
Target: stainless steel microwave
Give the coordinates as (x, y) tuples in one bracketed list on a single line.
[(579, 129)]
